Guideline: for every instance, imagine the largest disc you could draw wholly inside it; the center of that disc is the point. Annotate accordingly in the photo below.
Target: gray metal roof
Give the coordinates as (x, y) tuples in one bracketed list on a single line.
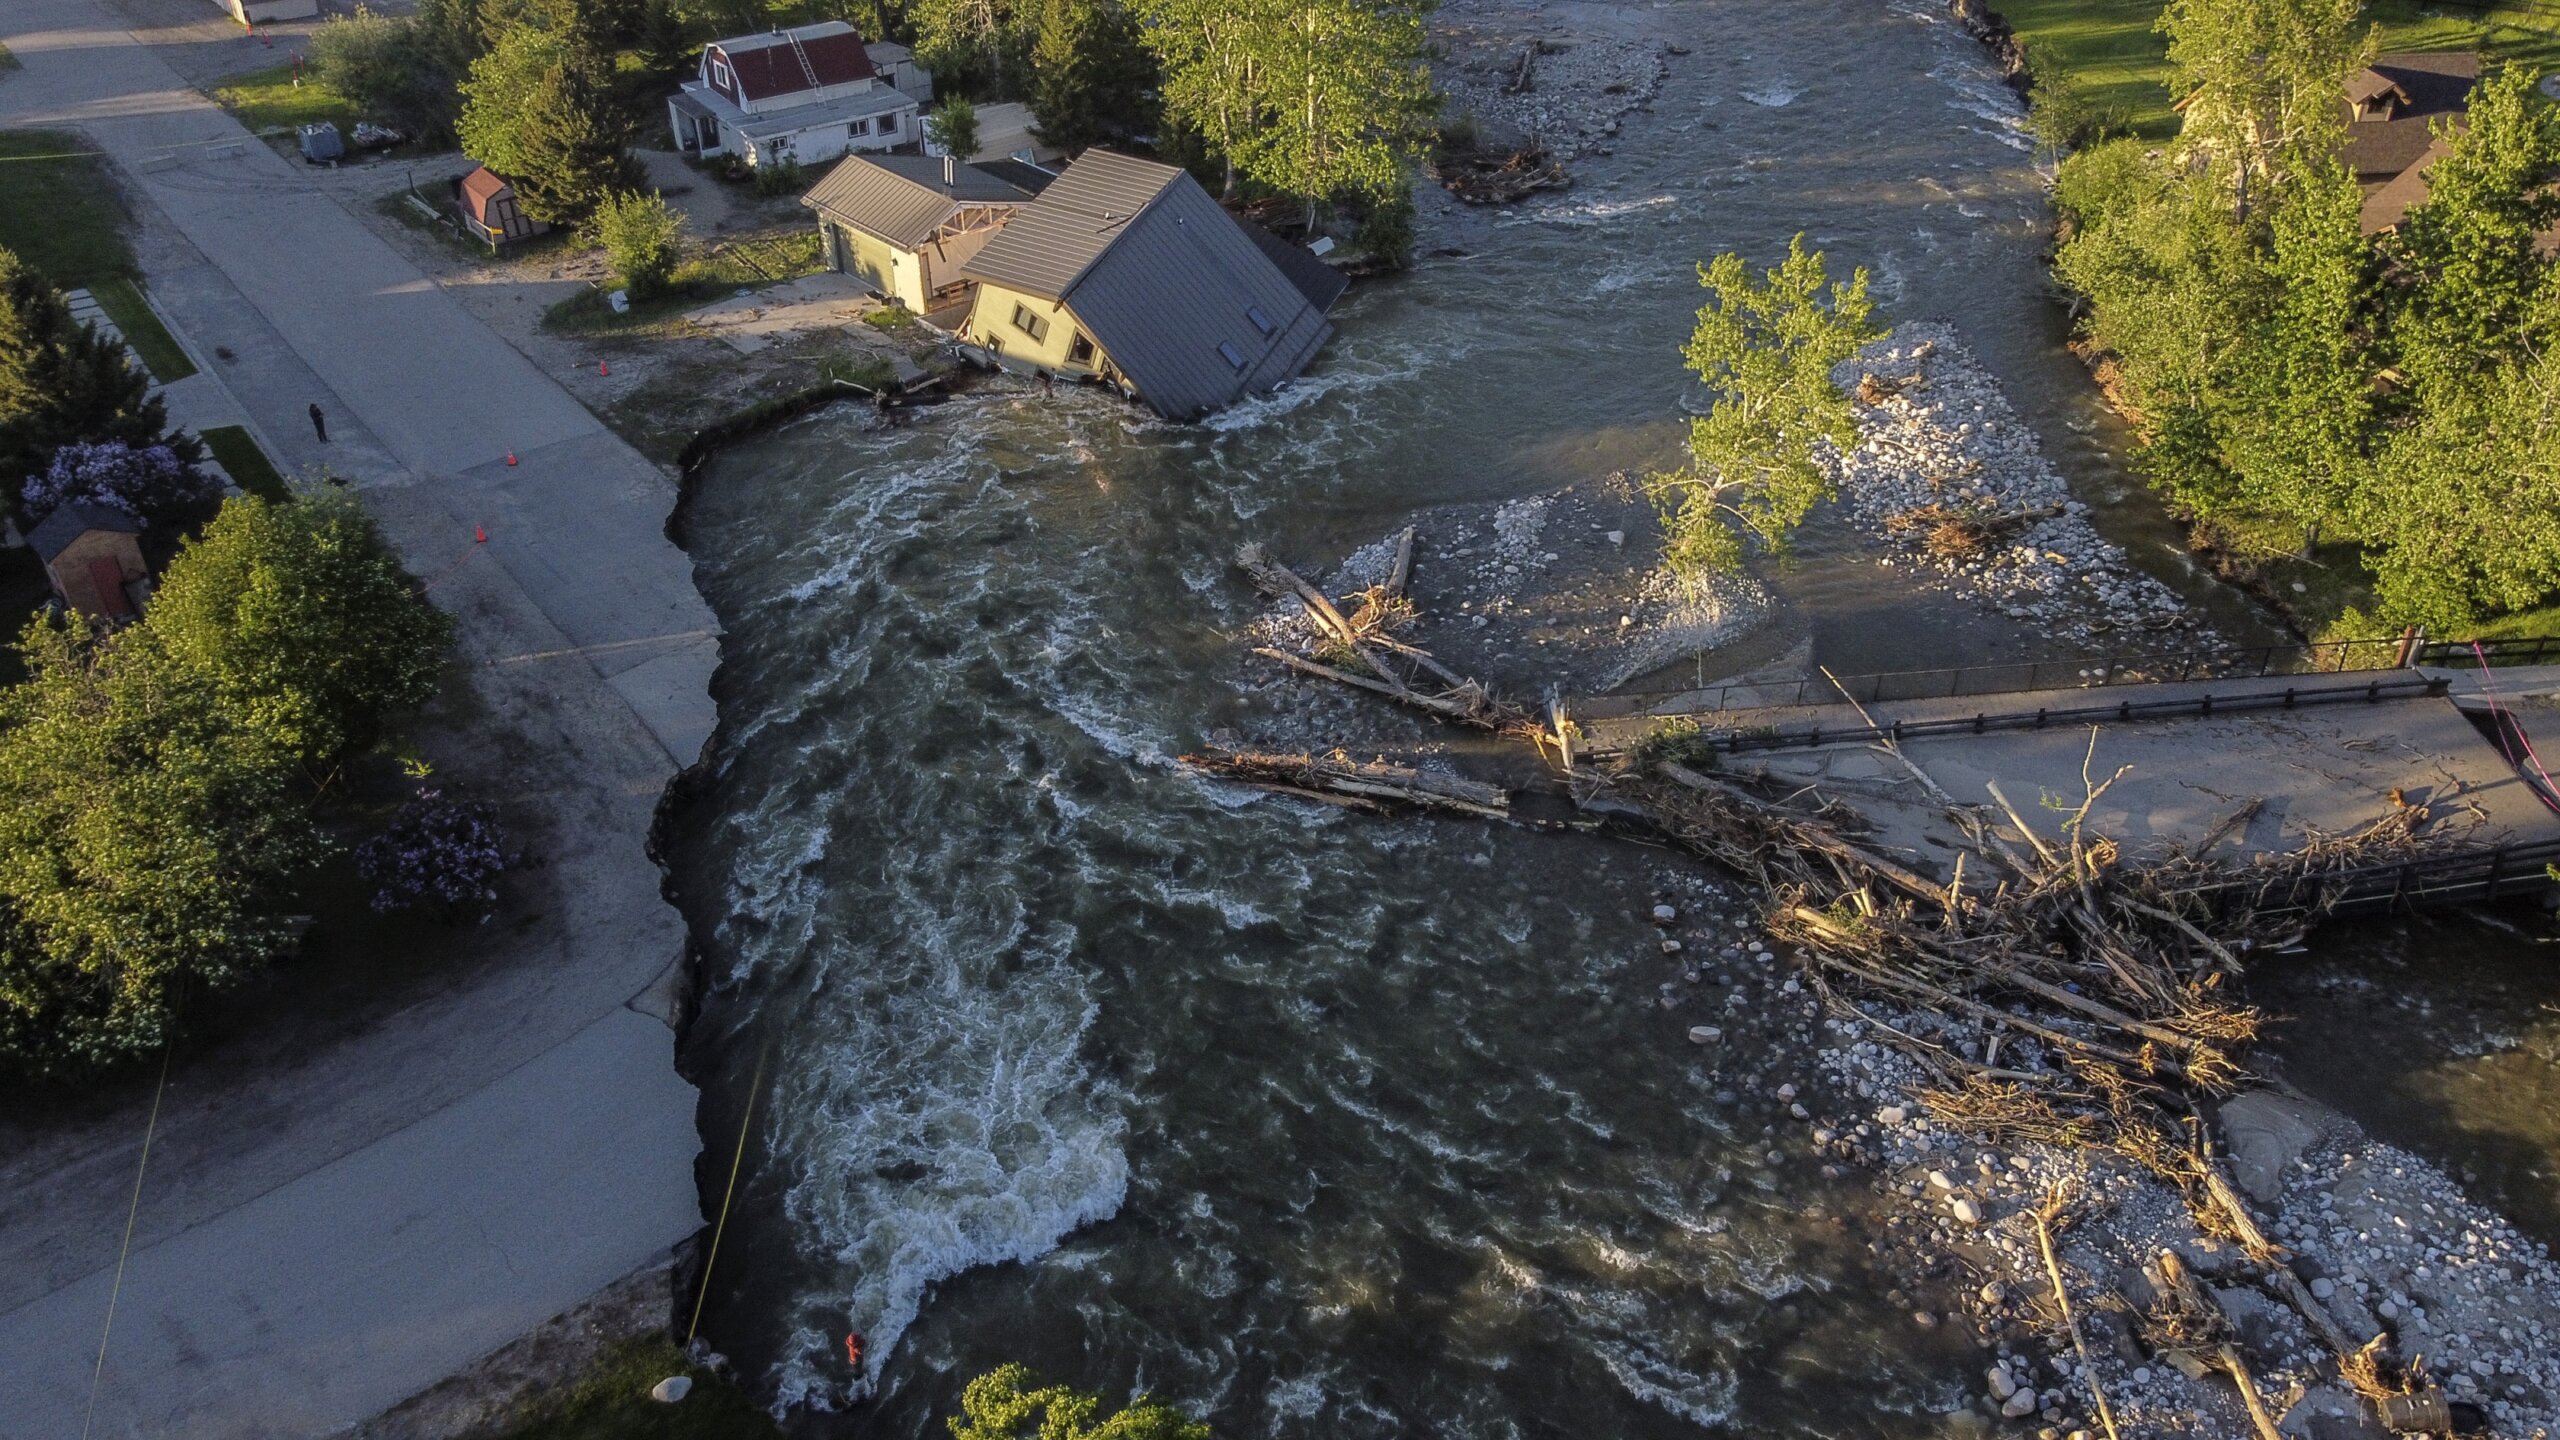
[(903, 199), (1162, 278), (765, 125), (55, 532), (1054, 239)]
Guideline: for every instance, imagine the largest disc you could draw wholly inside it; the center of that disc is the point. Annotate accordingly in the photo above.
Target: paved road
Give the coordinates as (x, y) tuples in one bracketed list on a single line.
[(318, 1242)]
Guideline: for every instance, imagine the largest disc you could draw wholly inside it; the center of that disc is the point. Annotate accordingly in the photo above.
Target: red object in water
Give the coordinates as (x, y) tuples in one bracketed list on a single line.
[(853, 1349), (511, 457), (603, 369), (479, 535)]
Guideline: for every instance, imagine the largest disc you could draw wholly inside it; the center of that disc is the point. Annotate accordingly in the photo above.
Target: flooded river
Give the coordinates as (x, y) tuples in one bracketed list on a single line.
[(1320, 1127)]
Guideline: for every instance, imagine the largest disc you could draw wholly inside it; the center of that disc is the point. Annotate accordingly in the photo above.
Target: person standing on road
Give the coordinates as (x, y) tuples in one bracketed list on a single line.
[(319, 422)]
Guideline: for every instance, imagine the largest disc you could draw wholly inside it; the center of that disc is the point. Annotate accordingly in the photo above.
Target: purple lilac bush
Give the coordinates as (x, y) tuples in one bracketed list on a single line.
[(151, 484), (438, 855)]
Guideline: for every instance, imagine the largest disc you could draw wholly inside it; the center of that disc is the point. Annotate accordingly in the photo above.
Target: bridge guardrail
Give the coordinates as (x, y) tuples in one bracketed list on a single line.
[(1734, 742)]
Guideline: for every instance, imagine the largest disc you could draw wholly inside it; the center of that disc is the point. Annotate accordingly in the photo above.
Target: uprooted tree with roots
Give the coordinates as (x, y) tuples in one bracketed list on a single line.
[(1764, 349)]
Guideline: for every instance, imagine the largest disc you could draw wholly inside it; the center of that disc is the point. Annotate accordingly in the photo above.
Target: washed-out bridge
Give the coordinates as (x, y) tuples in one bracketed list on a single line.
[(2239, 755)]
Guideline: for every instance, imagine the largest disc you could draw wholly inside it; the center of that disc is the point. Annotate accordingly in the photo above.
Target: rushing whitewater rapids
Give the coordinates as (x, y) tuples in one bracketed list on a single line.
[(1316, 1126)]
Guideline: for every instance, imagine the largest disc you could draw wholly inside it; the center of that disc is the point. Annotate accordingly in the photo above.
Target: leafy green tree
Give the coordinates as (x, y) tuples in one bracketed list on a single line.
[(145, 841), (1386, 226), (953, 127), (538, 109), (393, 67), (301, 624), (1765, 350), (1216, 80), (2471, 269), (2298, 410), (1350, 97), (639, 234), (2259, 82), (973, 44), (1089, 77), (63, 383), (1001, 1405), (2462, 516)]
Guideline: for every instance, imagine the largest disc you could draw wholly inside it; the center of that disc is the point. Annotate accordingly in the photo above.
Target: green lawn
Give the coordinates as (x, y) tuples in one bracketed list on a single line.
[(611, 1402), (268, 101), (246, 463), (58, 208), (2109, 50), (121, 297), (59, 212)]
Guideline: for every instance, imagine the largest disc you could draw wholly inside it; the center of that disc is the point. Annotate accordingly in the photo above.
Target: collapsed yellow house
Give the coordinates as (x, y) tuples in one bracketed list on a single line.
[(1119, 270)]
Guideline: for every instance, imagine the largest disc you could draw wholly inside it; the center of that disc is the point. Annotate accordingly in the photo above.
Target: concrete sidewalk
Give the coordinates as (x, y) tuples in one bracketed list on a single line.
[(318, 1241)]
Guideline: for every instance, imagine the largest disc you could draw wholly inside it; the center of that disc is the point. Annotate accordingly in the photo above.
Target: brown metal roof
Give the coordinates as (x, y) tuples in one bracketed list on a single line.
[(1053, 241), (2436, 84), (903, 199), (769, 65)]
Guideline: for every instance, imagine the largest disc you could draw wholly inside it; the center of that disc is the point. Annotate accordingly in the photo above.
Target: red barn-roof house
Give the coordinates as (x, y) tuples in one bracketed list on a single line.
[(806, 95)]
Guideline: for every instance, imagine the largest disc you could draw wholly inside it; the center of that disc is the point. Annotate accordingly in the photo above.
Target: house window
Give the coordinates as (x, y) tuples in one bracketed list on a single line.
[(858, 128), (1030, 324), (1234, 356), (1080, 350), (889, 124), (1260, 321), (720, 76)]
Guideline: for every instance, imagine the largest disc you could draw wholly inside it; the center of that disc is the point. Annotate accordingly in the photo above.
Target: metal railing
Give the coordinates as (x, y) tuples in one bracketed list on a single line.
[(2448, 879), (2292, 697), (2018, 676)]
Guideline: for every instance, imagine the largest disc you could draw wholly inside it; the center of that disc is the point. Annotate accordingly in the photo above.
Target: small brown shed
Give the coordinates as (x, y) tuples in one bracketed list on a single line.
[(489, 209), (91, 555)]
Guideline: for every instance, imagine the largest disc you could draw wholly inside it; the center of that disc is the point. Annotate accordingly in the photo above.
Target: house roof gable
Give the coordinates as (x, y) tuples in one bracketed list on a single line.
[(56, 532), (903, 199), (769, 65)]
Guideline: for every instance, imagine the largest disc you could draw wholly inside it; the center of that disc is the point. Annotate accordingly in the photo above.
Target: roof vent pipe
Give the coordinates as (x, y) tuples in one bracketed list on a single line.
[(950, 170)]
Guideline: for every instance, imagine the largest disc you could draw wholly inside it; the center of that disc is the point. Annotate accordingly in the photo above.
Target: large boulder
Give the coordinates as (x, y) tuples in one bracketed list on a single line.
[(2267, 1133)]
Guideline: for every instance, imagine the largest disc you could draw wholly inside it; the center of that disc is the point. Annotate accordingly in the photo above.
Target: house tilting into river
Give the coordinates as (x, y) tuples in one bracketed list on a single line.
[(1119, 270)]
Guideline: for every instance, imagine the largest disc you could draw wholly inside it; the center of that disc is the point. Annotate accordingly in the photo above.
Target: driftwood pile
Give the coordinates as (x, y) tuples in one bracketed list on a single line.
[(1482, 176), (1964, 532), (2100, 985)]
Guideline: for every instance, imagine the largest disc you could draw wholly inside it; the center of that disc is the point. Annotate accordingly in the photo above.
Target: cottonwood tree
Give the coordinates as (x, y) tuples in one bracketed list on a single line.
[(2299, 412), (538, 109), (2462, 518), (1764, 349), (2259, 82), (640, 235), (970, 44), (2471, 269), (1004, 1405), (64, 383), (1216, 74), (1349, 96)]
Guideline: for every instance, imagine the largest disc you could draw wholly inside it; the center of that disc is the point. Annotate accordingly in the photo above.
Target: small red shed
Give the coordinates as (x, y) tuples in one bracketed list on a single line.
[(92, 555)]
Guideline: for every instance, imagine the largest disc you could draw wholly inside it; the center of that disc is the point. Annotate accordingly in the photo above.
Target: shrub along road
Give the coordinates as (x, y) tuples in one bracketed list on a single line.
[(318, 1241)]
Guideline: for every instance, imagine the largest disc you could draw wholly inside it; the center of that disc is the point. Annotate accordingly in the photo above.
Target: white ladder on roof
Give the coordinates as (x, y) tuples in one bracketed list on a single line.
[(801, 51)]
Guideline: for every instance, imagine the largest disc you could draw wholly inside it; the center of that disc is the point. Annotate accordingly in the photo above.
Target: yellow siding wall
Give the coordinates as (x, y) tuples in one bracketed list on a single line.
[(896, 273), (991, 324)]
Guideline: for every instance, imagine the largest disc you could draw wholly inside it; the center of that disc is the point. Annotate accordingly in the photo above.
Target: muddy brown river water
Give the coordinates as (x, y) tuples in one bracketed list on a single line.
[(1318, 1127)]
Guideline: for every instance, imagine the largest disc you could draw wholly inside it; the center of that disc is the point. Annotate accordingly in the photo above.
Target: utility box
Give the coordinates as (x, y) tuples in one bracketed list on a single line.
[(321, 143)]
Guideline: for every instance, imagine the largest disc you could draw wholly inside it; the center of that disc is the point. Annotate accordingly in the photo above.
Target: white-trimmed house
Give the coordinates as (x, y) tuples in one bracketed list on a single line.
[(808, 94)]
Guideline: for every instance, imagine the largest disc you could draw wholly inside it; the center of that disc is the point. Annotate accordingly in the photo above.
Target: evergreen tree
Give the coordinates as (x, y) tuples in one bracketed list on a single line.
[(2470, 269), (1089, 76), (64, 383), (538, 109), (1765, 350), (953, 127)]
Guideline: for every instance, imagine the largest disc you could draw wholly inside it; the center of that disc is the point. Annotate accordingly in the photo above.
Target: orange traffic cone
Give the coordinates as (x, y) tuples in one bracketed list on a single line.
[(603, 369), (479, 535), (511, 457)]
